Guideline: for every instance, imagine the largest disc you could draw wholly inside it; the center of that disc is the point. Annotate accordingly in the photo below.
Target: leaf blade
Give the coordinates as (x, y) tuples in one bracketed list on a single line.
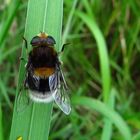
[(34, 122), (106, 112)]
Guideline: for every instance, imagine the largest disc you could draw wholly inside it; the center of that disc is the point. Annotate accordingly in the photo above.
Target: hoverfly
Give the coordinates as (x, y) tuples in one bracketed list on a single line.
[(44, 79)]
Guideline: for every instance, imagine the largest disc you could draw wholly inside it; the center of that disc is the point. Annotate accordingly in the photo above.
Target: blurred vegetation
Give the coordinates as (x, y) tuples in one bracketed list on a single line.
[(118, 23)]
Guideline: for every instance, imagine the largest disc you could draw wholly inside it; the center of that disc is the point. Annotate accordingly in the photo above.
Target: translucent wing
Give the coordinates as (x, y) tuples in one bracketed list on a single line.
[(53, 81), (62, 100), (58, 84), (22, 101)]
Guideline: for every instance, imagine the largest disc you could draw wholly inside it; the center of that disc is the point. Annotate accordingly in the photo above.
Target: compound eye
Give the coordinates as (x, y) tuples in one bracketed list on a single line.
[(50, 40), (35, 41)]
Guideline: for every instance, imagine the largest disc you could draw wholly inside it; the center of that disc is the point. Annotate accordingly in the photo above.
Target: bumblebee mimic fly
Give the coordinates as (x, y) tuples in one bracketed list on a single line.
[(44, 78)]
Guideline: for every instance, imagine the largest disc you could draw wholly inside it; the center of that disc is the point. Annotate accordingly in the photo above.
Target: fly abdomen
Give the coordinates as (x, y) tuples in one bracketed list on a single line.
[(39, 89), (36, 83)]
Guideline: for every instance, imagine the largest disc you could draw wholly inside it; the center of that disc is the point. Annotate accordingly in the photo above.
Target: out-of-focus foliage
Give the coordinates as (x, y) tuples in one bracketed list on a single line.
[(119, 24)]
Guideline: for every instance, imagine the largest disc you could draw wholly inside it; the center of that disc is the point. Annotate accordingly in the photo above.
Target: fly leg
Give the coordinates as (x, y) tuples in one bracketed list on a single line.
[(26, 43), (63, 47), (26, 46)]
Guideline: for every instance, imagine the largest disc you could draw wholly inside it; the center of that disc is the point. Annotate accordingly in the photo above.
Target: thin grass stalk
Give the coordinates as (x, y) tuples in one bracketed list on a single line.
[(68, 24), (136, 136), (89, 20), (1, 127), (103, 53), (12, 10), (106, 111), (107, 129)]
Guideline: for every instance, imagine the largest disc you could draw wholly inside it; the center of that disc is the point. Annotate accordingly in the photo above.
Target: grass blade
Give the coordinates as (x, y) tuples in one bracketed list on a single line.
[(1, 128), (34, 121), (136, 136), (104, 60), (68, 24), (103, 54), (107, 128), (4, 93), (12, 10), (106, 112)]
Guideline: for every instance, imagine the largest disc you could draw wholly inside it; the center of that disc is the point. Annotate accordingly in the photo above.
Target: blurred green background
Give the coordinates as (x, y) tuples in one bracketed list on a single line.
[(98, 31)]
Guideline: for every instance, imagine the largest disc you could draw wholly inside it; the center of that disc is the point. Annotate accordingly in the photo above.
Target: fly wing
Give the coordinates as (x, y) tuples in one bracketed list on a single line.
[(22, 101), (57, 83), (53, 82), (62, 100)]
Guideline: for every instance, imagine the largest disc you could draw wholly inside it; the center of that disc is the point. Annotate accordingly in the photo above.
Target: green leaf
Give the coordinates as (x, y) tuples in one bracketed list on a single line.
[(89, 20), (103, 53), (33, 122), (107, 130), (106, 111), (4, 93), (12, 10), (1, 127), (136, 136)]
